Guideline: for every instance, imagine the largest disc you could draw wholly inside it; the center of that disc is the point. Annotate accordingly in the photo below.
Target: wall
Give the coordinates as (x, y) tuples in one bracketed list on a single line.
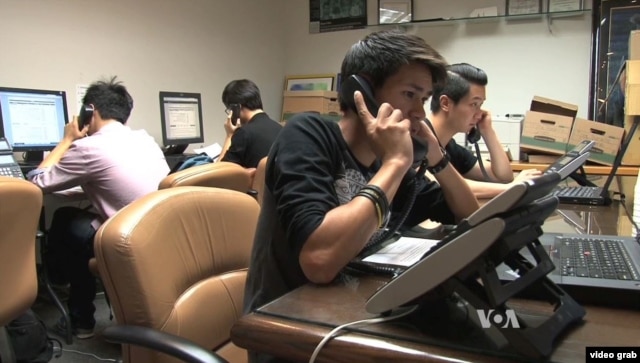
[(152, 45), (522, 58)]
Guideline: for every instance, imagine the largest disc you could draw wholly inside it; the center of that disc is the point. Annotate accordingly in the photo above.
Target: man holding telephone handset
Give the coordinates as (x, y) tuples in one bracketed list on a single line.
[(456, 107), (114, 166), (250, 131), (329, 186)]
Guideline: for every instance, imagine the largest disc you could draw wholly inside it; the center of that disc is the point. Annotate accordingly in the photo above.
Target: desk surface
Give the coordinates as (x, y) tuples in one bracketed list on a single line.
[(623, 170), (293, 325)]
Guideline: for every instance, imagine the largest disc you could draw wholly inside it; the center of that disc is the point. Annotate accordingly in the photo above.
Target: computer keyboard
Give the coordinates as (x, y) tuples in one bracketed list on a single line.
[(596, 258), (575, 191)]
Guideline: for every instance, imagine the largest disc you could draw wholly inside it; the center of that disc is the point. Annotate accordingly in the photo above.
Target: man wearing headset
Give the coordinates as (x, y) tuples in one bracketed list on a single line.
[(456, 107), (114, 166)]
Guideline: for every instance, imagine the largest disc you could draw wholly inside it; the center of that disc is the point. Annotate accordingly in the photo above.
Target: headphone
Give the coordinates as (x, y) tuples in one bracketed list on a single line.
[(86, 113)]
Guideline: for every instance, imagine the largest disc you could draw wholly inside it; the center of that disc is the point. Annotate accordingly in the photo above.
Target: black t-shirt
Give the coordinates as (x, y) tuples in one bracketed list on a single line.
[(461, 159), (252, 141), (311, 171)]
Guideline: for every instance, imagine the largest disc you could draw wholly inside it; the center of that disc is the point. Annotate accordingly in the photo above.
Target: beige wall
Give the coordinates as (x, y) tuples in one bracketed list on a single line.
[(152, 45), (522, 58), (200, 45)]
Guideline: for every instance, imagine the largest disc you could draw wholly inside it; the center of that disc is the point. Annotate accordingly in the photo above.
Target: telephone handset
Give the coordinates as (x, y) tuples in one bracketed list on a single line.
[(235, 113), (86, 113), (473, 136), (358, 83)]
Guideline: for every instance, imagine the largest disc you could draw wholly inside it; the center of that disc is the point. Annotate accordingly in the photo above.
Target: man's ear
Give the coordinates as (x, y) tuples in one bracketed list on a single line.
[(445, 103)]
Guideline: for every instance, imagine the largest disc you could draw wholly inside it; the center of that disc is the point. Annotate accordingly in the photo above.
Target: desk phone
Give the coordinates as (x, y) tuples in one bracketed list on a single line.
[(8, 164)]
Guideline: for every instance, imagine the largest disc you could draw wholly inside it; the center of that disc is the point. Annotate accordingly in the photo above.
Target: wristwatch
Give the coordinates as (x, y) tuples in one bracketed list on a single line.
[(440, 165)]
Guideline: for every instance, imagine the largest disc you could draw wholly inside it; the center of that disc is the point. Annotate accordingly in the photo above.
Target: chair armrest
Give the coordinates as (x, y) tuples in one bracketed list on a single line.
[(163, 342)]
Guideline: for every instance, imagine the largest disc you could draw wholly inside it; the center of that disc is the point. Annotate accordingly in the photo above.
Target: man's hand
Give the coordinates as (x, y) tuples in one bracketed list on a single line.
[(72, 132), (389, 133), (484, 124), (526, 175), (229, 127)]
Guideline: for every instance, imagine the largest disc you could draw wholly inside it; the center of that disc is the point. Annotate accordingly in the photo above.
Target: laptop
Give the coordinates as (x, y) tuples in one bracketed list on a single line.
[(594, 195), (595, 269)]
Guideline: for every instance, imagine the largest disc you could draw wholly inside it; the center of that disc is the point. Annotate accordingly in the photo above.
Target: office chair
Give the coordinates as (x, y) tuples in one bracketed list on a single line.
[(258, 179), (20, 205), (221, 174), (176, 261)]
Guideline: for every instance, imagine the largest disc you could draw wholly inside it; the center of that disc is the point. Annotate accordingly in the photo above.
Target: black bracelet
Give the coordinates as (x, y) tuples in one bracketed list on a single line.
[(440, 165), (379, 199), (370, 195)]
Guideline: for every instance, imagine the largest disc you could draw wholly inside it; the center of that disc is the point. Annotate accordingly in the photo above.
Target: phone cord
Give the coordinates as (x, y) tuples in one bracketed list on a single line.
[(482, 169), (413, 193)]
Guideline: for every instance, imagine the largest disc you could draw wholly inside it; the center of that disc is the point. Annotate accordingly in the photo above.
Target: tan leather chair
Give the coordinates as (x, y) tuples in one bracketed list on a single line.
[(258, 179), (20, 206), (176, 261), (222, 174)]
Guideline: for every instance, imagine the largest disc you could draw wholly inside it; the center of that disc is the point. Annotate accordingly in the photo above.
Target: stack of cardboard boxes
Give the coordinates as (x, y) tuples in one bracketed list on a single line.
[(551, 127), (322, 102)]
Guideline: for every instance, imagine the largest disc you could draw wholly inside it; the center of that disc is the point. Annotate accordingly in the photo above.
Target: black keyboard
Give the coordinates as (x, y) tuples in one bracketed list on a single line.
[(585, 192), (596, 257)]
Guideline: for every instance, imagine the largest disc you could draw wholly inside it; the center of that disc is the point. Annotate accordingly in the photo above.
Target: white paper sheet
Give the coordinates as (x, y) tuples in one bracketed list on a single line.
[(404, 252)]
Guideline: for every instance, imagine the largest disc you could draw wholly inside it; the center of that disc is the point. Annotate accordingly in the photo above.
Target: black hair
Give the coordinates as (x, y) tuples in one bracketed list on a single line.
[(110, 98), (380, 55), (243, 92), (460, 77)]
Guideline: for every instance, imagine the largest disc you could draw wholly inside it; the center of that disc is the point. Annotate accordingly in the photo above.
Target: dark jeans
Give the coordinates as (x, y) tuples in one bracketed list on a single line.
[(69, 249)]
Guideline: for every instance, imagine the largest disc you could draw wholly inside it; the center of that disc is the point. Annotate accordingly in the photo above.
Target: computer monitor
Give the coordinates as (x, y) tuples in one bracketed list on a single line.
[(181, 116), (32, 120)]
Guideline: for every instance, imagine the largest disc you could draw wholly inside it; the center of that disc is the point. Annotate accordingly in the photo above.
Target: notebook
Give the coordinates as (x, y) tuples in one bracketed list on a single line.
[(595, 269)]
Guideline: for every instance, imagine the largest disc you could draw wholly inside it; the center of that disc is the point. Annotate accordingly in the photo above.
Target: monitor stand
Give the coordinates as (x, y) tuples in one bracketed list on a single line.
[(175, 149), (33, 157)]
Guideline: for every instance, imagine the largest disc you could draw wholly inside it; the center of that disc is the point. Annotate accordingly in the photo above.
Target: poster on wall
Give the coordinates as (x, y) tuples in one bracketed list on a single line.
[(334, 15)]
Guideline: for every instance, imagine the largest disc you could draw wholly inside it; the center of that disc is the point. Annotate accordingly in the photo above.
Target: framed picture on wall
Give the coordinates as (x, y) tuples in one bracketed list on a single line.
[(334, 15), (395, 11), (310, 82), (564, 5), (523, 7)]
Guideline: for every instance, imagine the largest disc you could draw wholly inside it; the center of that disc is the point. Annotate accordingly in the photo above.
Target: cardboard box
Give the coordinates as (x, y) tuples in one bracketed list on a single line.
[(632, 155), (634, 45), (546, 132), (323, 102), (632, 88), (607, 137), (547, 105)]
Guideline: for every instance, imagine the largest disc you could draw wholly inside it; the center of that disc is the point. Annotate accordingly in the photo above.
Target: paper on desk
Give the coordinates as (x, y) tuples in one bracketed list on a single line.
[(404, 252), (213, 151)]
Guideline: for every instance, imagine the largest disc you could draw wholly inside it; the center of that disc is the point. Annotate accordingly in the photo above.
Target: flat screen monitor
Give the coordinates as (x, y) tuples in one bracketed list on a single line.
[(32, 120), (181, 116)]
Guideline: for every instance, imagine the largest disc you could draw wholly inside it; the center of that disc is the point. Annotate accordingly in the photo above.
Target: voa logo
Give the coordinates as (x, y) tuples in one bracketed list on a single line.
[(497, 318)]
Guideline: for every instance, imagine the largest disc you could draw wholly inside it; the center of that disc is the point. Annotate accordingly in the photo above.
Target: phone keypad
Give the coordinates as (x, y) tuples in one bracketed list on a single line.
[(11, 171)]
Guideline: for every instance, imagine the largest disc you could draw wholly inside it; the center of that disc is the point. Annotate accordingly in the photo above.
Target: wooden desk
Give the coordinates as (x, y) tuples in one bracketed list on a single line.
[(292, 326), (589, 169)]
